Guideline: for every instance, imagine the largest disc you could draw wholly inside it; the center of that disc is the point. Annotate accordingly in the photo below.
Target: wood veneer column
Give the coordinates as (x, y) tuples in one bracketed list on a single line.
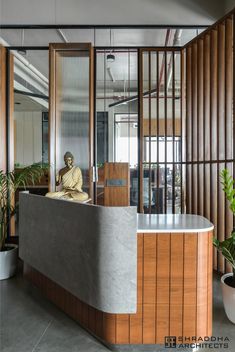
[(3, 132)]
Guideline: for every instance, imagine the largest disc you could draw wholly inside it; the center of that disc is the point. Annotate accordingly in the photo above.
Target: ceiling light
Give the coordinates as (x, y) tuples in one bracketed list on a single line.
[(110, 58), (22, 52)]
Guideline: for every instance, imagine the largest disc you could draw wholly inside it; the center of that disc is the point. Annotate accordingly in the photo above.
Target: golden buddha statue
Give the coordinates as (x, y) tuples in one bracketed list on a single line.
[(71, 178)]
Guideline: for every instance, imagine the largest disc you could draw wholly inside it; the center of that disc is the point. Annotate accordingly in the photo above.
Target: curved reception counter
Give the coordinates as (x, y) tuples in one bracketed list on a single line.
[(128, 279)]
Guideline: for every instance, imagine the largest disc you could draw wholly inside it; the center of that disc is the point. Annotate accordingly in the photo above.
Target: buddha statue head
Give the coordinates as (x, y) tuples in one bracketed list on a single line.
[(68, 159)]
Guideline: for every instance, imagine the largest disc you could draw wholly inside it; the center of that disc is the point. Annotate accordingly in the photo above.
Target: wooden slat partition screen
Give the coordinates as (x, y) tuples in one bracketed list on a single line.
[(209, 126), (160, 144)]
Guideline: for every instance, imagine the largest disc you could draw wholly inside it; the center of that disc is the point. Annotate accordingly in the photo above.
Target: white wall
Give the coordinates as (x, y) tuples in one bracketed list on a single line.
[(192, 12), (28, 137)]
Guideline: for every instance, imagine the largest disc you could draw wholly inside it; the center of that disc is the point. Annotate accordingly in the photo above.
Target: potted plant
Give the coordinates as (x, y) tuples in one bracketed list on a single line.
[(227, 248), (9, 183)]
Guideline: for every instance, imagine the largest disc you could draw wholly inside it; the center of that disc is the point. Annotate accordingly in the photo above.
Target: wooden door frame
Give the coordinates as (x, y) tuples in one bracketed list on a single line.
[(53, 50)]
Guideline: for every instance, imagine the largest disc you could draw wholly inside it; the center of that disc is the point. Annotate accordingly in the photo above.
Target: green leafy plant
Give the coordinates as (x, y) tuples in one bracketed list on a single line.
[(227, 247), (9, 183)]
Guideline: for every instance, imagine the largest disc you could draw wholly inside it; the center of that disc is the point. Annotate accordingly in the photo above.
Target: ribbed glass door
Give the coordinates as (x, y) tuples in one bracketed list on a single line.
[(71, 109)]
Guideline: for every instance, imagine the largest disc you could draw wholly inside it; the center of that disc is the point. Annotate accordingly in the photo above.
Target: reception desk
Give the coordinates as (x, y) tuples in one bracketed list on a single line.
[(128, 279)]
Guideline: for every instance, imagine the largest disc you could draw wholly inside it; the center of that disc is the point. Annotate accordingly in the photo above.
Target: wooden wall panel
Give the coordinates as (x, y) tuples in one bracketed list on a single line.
[(176, 285), (202, 281), (174, 292), (229, 86), (117, 195), (206, 97), (209, 125), (163, 288), (158, 127), (136, 320), (3, 156), (194, 115), (149, 288), (190, 284), (209, 284), (213, 92)]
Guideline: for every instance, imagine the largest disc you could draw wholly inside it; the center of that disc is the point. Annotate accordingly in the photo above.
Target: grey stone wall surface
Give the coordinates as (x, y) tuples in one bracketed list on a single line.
[(89, 250)]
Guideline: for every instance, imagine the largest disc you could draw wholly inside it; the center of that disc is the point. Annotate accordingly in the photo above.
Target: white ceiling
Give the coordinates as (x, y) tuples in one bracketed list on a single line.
[(105, 12), (139, 12), (99, 37), (119, 37), (25, 103)]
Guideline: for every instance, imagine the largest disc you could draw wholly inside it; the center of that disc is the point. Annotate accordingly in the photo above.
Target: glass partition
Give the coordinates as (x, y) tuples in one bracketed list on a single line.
[(117, 115)]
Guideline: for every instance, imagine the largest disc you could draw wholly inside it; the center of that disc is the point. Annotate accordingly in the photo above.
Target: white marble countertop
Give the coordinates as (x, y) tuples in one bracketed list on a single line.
[(172, 223)]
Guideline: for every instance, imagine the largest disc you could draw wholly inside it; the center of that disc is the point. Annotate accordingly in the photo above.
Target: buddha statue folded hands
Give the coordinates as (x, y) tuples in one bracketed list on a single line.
[(71, 178)]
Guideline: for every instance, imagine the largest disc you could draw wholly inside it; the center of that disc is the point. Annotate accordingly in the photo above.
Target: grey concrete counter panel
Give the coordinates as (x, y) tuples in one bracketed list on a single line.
[(89, 250)]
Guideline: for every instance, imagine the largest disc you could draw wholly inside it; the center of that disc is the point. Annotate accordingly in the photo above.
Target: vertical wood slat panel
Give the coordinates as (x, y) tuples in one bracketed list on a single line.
[(188, 126), (209, 283), (11, 132), (221, 153), (229, 121), (201, 188), (228, 218), (213, 85), (206, 76), (200, 101), (194, 188), (195, 56), (122, 329), (163, 299), (202, 281), (194, 128), (214, 198), (150, 125), (149, 288), (190, 284), (176, 287), (221, 93), (136, 320), (141, 130), (3, 156), (220, 216), (183, 126), (189, 104), (213, 131), (207, 124), (200, 129), (110, 326), (229, 86)]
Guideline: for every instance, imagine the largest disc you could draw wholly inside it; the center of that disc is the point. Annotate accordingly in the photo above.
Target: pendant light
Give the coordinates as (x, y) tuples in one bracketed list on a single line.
[(110, 57), (22, 51)]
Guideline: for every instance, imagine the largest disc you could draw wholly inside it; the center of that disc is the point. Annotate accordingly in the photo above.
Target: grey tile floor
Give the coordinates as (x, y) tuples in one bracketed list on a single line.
[(29, 323)]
